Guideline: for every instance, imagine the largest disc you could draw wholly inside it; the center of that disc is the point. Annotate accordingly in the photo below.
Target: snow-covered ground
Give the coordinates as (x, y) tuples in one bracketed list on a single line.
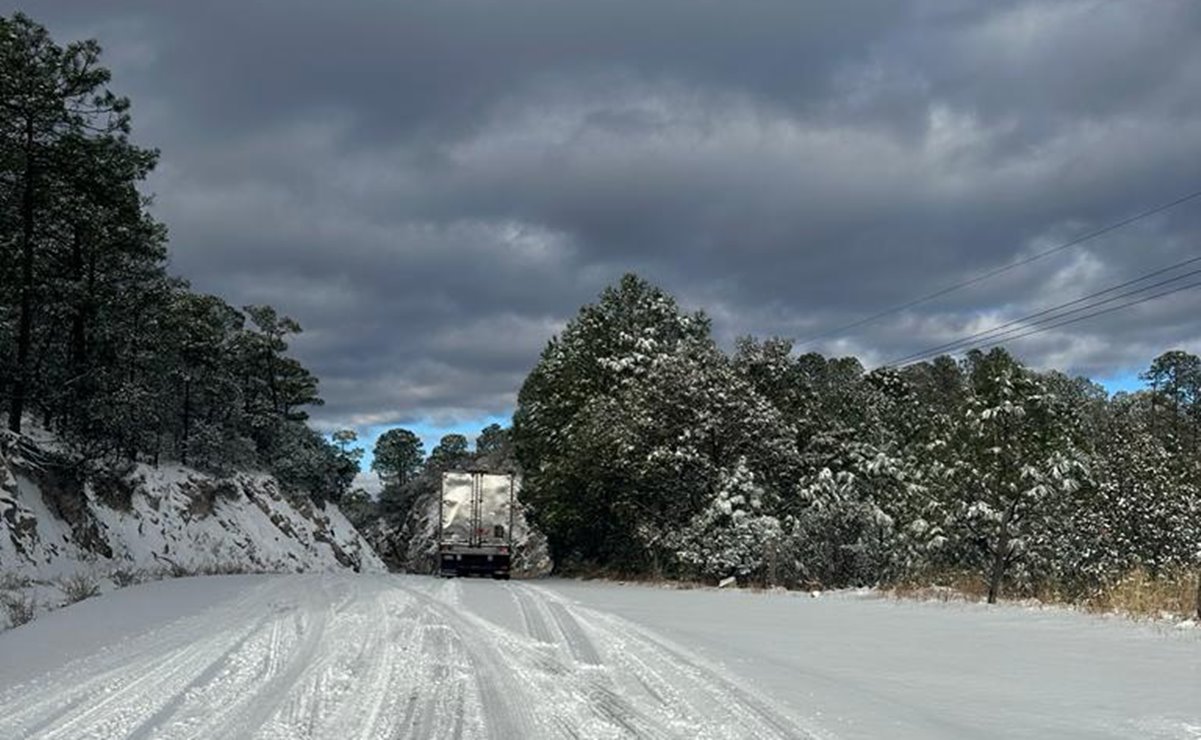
[(344, 656)]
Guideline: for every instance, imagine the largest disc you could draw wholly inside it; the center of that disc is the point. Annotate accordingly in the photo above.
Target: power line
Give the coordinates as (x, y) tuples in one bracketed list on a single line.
[(1111, 309), (1008, 334), (1004, 268), (1002, 329)]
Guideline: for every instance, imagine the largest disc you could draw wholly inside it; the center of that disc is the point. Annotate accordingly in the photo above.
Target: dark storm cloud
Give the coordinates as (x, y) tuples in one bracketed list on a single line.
[(432, 189)]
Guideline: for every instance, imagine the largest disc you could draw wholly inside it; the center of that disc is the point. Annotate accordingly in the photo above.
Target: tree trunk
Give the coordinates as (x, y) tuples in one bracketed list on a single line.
[(272, 384), (1001, 555), (16, 407), (187, 419), (996, 576), (79, 313)]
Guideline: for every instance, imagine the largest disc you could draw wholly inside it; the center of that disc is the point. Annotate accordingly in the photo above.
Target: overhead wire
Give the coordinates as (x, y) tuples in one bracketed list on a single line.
[(1052, 313), (1002, 269), (992, 342)]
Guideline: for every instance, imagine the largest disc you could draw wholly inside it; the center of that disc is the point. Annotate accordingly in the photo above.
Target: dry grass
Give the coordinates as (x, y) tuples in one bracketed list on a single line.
[(1136, 595), (123, 578), (951, 586), (1141, 596)]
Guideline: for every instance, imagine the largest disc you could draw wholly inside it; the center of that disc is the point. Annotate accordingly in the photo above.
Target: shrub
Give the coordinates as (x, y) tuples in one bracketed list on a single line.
[(114, 490), (10, 581), (224, 568), (19, 607), (79, 586), (228, 489), (125, 578)]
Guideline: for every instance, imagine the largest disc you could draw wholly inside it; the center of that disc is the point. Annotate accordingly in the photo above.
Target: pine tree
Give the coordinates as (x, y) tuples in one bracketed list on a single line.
[(567, 428), (398, 457), (1018, 457), (451, 453), (55, 105)]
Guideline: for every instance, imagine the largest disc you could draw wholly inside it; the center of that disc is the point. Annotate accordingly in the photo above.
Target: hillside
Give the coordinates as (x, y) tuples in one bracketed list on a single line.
[(64, 532)]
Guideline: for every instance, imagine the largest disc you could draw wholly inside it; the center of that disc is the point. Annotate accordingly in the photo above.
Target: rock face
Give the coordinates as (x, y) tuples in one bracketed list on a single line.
[(114, 525)]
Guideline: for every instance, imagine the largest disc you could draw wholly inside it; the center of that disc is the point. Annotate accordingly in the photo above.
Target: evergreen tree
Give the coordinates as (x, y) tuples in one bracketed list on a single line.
[(492, 439), (398, 457), (1017, 459), (118, 358), (567, 428), (494, 450), (450, 454), (62, 145)]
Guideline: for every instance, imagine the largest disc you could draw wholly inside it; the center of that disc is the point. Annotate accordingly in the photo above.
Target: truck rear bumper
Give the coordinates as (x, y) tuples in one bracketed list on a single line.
[(473, 563)]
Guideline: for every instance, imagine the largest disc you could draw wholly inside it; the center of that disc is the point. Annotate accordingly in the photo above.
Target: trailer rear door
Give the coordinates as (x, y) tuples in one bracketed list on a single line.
[(458, 508), (496, 509)]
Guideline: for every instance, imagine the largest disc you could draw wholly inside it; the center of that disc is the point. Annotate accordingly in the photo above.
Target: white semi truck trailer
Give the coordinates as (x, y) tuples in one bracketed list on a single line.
[(475, 532)]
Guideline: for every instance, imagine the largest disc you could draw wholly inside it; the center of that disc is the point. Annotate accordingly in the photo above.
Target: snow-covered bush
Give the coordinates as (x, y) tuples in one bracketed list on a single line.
[(79, 586), (732, 536), (20, 608), (841, 537)]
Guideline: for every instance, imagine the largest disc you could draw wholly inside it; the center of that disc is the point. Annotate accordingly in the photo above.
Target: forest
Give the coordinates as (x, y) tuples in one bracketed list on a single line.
[(646, 449), (98, 343)]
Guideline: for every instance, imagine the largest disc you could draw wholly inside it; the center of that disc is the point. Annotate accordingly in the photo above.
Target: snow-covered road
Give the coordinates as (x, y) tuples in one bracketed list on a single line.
[(345, 656)]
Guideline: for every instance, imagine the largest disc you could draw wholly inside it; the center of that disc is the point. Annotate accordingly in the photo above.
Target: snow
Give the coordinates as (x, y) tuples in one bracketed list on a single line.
[(339, 655), (55, 639), (870, 667), (173, 520)]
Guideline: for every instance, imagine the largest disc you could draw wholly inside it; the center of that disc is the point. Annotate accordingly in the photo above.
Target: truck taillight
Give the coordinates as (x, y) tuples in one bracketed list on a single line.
[(504, 551)]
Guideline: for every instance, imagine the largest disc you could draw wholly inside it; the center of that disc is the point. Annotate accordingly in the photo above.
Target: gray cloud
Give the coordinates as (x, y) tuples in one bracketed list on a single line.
[(433, 189)]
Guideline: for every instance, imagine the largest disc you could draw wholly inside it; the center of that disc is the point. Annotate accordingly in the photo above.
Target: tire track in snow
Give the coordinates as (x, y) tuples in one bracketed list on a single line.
[(450, 692), (393, 620), (535, 623), (160, 721), (306, 698), (115, 698), (391, 668), (118, 706), (676, 679), (578, 644), (501, 692), (601, 709), (108, 672), (236, 702), (384, 657)]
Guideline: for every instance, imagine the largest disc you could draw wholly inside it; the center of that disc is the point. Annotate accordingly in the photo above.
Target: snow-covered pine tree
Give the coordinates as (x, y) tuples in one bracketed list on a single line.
[(629, 422), (565, 428), (1017, 457)]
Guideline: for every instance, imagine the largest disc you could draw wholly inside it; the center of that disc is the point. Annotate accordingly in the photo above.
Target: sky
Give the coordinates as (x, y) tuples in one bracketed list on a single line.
[(433, 189)]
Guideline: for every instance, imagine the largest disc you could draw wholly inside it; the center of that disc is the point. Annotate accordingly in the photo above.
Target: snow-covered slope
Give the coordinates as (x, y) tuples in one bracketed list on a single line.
[(116, 527)]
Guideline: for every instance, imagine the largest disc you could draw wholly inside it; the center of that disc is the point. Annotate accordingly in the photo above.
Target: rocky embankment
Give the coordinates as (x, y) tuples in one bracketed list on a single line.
[(68, 531)]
